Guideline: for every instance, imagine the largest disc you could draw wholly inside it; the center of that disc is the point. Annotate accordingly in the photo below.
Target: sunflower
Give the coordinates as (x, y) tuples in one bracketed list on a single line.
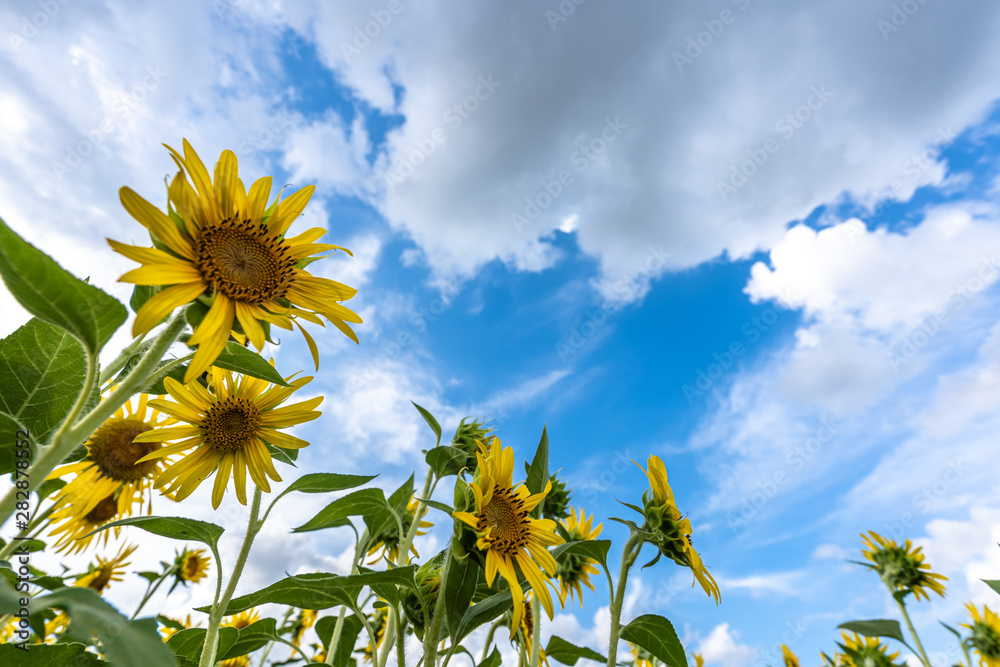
[(666, 529), (866, 652), (228, 429), (240, 621), (100, 575), (226, 248), (985, 637), (789, 658), (641, 657), (505, 530), (902, 568), (110, 482), (387, 543), (191, 566), (306, 619), (169, 631), (575, 569)]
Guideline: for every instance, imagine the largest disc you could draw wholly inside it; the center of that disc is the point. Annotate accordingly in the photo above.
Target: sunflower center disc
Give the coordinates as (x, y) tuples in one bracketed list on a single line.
[(114, 453), (103, 511), (231, 424), (244, 262), (508, 521)]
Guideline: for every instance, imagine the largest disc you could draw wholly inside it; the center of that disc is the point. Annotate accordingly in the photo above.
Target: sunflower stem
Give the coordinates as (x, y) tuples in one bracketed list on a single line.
[(121, 360), (418, 513), (335, 639), (536, 613), (151, 589), (387, 642), (489, 638), (71, 435), (628, 558), (434, 631), (218, 610), (913, 631), (401, 639)]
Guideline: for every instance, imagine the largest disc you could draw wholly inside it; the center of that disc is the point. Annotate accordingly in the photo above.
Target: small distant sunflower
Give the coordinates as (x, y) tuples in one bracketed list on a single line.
[(240, 621), (861, 651), (641, 657), (305, 620), (511, 539), (698, 660), (985, 637), (902, 568), (100, 575), (320, 656), (387, 543), (225, 247), (379, 620), (111, 482), (667, 530), (228, 429), (789, 658), (527, 628), (169, 631), (191, 566), (575, 569)]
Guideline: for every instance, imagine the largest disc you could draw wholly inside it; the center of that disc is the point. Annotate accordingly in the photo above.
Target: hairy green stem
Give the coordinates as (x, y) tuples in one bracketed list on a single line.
[(916, 638), (335, 639), (120, 361), (418, 513), (536, 630), (628, 558), (219, 608), (489, 638), (401, 639), (387, 641), (70, 436), (150, 591)]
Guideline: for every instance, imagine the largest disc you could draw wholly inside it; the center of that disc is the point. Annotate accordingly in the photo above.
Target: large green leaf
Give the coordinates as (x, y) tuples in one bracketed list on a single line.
[(992, 583), (93, 619), (42, 370), (235, 357), (51, 293), (879, 627), (325, 482), (49, 655), (446, 460), (483, 612), (433, 423), (596, 549), (380, 522), (348, 637), (656, 634), (189, 643), (538, 471), (566, 653), (251, 638), (458, 588), (176, 527), (9, 437), (493, 660), (320, 590), (364, 502)]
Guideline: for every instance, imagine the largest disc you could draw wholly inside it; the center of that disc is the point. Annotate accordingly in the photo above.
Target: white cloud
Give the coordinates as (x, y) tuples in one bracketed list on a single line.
[(722, 647)]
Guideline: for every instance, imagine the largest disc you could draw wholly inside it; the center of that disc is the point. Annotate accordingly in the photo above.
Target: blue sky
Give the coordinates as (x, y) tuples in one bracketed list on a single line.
[(813, 348)]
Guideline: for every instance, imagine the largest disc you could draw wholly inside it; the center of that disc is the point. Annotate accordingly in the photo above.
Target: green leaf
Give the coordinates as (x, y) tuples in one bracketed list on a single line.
[(93, 619), (287, 456), (49, 655), (42, 370), (483, 612), (566, 653), (348, 637), (952, 630), (158, 388), (447, 509), (140, 295), (992, 583), (656, 634), (51, 293), (235, 357), (493, 660), (379, 522), (876, 628), (251, 638), (364, 502), (325, 482), (596, 549), (320, 590), (433, 423), (175, 527), (458, 588), (538, 472), (188, 643), (9, 438), (446, 460), (386, 583)]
